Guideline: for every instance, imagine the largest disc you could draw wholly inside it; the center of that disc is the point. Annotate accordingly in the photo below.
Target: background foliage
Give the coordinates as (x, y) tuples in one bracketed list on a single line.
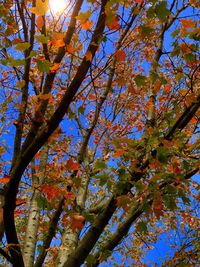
[(99, 132)]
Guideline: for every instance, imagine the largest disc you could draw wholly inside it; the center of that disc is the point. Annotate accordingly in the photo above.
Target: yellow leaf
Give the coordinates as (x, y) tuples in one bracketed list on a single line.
[(42, 6), (20, 84)]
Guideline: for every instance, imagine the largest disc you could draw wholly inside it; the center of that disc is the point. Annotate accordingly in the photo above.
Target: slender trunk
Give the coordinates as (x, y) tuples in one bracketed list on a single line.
[(33, 218), (70, 238)]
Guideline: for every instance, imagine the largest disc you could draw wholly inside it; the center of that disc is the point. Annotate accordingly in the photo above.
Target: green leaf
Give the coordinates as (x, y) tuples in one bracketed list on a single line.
[(162, 155), (4, 62), (195, 36), (153, 77), (43, 66), (100, 165), (151, 12), (103, 178), (83, 16), (81, 110), (32, 54), (145, 31), (169, 202), (183, 196), (163, 81), (16, 62), (189, 57), (161, 11), (175, 33), (122, 174), (42, 202), (142, 227), (139, 185), (140, 80), (22, 46), (41, 39)]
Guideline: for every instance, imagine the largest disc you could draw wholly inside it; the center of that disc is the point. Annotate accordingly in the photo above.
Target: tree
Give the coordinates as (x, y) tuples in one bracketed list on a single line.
[(99, 126)]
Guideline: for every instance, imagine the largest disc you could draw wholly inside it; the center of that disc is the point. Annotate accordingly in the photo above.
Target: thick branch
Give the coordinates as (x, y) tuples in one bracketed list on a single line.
[(184, 119), (124, 228), (26, 75), (87, 243), (51, 76)]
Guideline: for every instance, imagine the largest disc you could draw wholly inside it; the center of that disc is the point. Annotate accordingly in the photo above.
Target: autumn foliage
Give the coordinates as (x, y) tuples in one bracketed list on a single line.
[(99, 130)]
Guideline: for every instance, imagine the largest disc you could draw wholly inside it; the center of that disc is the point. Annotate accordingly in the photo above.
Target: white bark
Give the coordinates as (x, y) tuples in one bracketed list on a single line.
[(33, 218), (70, 238), (69, 243)]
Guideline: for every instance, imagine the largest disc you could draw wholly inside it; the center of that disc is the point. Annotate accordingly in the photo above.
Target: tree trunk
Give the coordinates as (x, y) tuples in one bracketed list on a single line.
[(33, 218)]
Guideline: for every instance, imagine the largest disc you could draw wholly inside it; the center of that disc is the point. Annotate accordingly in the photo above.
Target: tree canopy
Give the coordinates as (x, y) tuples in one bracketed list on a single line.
[(99, 131)]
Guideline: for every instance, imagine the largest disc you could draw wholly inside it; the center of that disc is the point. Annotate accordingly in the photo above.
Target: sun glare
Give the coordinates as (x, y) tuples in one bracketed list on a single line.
[(57, 6)]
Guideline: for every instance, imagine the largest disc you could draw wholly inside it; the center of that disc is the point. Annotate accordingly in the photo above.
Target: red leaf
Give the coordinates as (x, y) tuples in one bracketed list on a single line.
[(50, 190), (158, 205), (71, 165), (77, 221)]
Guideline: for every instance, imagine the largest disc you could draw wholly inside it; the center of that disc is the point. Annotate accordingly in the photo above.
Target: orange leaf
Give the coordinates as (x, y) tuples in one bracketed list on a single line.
[(114, 25), (118, 153), (5, 179), (55, 67), (40, 22), (16, 41), (77, 221), (120, 55), (44, 97), (57, 39), (167, 88), (188, 23), (87, 25), (88, 56), (92, 96), (70, 49)]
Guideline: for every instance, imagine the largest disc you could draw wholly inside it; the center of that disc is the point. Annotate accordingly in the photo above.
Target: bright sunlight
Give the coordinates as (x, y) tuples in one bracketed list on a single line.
[(57, 6)]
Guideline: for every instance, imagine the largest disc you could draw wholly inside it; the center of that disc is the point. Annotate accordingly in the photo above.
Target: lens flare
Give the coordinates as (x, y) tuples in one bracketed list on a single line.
[(57, 6)]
